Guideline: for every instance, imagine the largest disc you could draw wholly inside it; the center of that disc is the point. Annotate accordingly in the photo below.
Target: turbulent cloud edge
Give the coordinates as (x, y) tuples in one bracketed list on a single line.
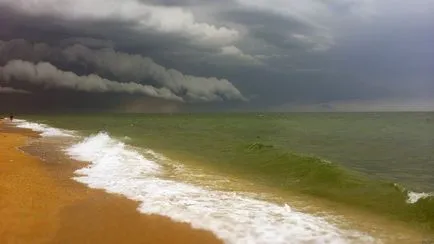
[(125, 67), (233, 51), (49, 76), (139, 68), (5, 89), (142, 16)]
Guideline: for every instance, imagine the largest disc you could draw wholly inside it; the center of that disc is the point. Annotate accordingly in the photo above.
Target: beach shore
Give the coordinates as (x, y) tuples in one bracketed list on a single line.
[(40, 203)]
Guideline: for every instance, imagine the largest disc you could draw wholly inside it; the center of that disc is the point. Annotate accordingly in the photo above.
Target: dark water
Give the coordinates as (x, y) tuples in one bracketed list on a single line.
[(365, 153)]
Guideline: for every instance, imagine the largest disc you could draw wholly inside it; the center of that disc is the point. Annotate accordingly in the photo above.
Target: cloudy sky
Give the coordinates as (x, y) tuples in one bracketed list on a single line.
[(209, 55)]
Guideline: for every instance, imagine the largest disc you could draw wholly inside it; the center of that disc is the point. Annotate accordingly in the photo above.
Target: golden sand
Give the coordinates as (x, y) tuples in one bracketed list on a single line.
[(39, 203)]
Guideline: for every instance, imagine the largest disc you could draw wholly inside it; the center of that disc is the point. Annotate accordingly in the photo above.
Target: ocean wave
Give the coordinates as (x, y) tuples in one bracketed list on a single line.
[(45, 130), (414, 197), (135, 173), (233, 217)]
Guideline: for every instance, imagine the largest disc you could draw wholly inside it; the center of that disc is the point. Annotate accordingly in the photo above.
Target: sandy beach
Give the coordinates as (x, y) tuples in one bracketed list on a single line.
[(40, 203)]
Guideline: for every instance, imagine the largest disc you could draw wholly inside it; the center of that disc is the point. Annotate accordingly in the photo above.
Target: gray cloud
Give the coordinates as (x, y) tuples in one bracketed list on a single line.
[(125, 67), (21, 49), (49, 76), (88, 42), (276, 52), (142, 16), (12, 90), (136, 67), (235, 52)]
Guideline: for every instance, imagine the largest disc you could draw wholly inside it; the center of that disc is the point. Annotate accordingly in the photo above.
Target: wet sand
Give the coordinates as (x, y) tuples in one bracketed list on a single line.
[(39, 203)]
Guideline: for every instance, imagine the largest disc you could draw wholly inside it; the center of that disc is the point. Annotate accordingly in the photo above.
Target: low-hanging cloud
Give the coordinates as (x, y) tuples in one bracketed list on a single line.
[(47, 75), (137, 67), (125, 67), (5, 89), (235, 52), (88, 42), (310, 51)]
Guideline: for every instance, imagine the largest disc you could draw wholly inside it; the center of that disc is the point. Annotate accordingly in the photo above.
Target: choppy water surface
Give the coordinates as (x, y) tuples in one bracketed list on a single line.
[(394, 149)]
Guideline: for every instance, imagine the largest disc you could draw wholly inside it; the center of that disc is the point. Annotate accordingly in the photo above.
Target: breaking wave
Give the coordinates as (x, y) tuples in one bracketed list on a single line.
[(45, 130), (233, 217)]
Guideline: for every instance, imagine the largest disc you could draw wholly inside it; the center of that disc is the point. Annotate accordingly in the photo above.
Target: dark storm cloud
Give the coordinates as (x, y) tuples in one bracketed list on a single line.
[(47, 75), (273, 52), (88, 42), (283, 33), (123, 66), (142, 17), (188, 3)]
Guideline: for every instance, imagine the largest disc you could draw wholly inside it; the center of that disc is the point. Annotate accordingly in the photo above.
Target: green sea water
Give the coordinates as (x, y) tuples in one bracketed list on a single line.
[(350, 158)]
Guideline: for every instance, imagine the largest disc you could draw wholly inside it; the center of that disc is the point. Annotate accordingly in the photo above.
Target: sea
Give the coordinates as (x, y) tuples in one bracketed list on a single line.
[(262, 177)]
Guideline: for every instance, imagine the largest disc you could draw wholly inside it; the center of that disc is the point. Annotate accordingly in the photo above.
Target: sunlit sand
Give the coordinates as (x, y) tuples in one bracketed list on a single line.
[(40, 204)]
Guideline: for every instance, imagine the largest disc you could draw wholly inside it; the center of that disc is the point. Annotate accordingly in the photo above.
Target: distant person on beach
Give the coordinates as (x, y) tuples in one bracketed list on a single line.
[(11, 117)]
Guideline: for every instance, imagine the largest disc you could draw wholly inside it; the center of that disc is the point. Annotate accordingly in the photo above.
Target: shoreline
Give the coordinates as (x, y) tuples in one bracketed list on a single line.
[(381, 227), (40, 203), (386, 230)]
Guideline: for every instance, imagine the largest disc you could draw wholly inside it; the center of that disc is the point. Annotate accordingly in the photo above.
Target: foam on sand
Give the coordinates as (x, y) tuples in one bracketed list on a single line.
[(45, 130), (233, 217)]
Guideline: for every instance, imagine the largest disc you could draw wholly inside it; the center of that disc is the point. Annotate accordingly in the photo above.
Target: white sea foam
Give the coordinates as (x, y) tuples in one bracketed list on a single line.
[(45, 130), (413, 197), (233, 217)]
